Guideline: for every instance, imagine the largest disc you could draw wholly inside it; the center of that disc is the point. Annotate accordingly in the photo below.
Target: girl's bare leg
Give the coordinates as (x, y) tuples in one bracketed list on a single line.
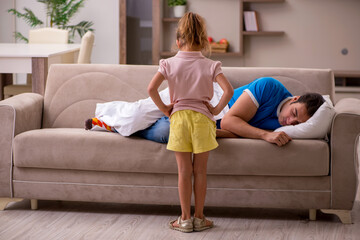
[(200, 182), (185, 170)]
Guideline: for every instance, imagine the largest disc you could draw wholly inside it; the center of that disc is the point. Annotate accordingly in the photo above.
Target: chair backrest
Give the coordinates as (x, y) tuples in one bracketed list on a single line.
[(48, 35), (87, 42)]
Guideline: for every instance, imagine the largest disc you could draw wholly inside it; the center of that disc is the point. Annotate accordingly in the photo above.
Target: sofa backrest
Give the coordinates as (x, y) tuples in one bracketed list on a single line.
[(72, 90)]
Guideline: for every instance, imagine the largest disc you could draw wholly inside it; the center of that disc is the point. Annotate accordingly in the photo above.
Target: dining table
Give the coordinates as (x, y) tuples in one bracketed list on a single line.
[(35, 59)]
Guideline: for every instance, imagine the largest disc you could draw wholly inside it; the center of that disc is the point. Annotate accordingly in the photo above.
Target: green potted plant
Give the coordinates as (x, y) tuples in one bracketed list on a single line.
[(179, 7), (58, 14)]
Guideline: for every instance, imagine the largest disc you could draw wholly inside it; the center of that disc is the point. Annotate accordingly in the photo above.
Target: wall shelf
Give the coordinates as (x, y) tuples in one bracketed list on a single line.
[(171, 19), (263, 1), (343, 77), (160, 20), (264, 33), (235, 54)]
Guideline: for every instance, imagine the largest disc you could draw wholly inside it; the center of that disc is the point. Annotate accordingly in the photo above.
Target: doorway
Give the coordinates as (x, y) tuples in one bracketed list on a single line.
[(136, 47)]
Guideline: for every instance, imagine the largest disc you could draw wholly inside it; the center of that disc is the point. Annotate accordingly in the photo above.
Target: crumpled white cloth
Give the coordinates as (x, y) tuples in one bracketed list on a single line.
[(130, 117)]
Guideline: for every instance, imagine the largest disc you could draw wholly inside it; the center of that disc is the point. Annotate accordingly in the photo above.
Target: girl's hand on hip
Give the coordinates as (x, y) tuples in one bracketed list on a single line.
[(212, 109), (168, 109)]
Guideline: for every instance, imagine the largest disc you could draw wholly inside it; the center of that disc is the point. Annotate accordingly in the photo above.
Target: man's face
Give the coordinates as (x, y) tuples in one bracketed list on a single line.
[(293, 113)]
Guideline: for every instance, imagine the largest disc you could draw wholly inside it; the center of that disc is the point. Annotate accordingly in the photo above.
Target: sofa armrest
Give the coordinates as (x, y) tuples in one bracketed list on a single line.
[(345, 132), (18, 114)]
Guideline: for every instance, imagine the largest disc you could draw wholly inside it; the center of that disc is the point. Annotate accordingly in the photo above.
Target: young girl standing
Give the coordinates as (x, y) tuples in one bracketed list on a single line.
[(190, 78)]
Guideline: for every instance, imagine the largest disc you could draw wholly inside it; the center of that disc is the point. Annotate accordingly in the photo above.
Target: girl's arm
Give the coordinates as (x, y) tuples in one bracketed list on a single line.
[(225, 98), (154, 94)]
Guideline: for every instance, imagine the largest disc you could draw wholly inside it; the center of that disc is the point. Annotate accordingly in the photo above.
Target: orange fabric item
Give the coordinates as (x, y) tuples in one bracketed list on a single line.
[(101, 124)]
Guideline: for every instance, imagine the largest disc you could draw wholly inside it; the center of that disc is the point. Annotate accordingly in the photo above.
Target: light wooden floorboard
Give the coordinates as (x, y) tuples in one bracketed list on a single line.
[(78, 220)]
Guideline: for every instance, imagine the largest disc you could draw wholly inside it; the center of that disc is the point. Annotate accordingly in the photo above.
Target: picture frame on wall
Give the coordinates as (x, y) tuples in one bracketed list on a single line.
[(251, 21)]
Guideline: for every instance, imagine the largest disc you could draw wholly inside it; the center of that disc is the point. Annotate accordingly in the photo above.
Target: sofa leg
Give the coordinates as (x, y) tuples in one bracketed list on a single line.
[(312, 214), (34, 204), (5, 201), (344, 215)]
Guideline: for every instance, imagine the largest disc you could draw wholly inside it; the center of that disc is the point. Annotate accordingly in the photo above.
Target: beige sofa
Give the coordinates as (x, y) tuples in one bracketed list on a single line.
[(46, 153)]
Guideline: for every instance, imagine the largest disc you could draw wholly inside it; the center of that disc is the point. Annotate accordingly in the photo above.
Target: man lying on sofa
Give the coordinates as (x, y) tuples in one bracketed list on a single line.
[(264, 104), (255, 110)]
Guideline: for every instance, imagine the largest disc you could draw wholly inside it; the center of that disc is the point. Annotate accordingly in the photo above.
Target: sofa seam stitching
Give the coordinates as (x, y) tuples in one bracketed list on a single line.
[(139, 186)]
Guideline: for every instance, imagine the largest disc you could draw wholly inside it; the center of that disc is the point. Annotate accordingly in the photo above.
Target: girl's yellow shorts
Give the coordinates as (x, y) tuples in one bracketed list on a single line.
[(191, 131)]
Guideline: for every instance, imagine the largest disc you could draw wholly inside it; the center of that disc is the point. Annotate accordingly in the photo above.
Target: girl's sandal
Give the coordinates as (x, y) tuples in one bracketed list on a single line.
[(201, 224), (185, 226)]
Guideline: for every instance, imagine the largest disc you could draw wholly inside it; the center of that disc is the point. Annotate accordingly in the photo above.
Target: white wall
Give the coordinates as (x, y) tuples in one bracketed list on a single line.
[(315, 33), (104, 14), (6, 22)]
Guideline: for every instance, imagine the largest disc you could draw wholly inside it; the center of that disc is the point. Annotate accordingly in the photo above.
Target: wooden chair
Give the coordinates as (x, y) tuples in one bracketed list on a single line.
[(37, 36), (87, 42), (48, 36)]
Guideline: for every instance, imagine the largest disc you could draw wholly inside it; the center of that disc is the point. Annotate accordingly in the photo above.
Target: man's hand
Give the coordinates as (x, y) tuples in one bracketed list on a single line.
[(279, 138), (167, 109)]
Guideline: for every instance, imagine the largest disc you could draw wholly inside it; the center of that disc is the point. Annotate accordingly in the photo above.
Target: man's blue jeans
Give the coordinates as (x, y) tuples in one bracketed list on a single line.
[(158, 132)]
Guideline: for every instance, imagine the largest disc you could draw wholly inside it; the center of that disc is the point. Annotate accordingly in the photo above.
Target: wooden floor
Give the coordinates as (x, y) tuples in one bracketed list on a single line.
[(78, 220)]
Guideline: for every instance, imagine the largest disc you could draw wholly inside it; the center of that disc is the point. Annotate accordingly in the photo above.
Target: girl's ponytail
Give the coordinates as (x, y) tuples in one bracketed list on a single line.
[(191, 31)]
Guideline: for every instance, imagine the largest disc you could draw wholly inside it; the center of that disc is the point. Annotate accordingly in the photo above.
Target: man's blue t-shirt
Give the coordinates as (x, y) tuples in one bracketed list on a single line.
[(267, 93)]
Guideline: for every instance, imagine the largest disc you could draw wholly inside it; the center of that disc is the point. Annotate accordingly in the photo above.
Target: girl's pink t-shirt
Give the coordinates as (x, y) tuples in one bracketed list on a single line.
[(190, 77)]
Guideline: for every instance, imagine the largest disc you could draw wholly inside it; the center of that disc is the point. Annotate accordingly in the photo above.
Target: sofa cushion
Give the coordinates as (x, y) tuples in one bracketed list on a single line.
[(77, 149), (253, 157)]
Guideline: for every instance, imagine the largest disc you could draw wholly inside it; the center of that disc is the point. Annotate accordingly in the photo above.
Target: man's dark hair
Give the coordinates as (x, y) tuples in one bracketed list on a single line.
[(312, 102)]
